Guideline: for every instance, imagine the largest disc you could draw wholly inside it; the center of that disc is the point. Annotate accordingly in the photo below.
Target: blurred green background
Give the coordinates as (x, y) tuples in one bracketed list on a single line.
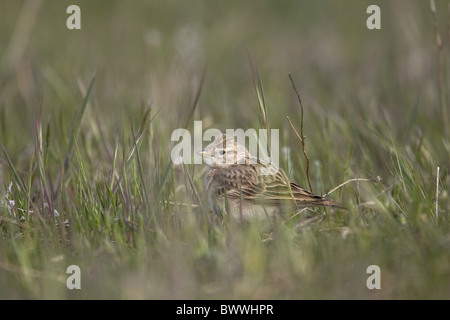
[(155, 53), (372, 109)]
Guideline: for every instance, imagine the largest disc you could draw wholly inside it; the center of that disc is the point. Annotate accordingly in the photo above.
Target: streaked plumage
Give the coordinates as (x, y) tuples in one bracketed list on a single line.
[(239, 182)]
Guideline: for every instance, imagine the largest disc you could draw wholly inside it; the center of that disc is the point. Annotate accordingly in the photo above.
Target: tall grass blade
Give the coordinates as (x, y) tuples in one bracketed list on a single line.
[(77, 122), (19, 180)]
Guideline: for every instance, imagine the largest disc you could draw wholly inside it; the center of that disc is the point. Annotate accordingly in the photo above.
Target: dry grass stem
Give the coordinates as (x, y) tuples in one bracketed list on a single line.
[(302, 137), (344, 183)]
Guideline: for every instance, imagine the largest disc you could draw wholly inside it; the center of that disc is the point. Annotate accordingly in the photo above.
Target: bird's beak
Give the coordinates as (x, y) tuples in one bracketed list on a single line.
[(204, 154)]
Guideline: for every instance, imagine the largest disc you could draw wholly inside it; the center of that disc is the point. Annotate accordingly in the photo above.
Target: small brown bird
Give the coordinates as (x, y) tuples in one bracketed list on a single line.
[(239, 183)]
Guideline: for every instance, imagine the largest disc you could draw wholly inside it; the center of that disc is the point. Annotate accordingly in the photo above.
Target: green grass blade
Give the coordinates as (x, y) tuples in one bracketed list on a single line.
[(77, 122), (19, 180)]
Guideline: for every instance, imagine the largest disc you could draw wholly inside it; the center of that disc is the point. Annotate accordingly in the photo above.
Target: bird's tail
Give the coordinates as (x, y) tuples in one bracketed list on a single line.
[(304, 198), (325, 202)]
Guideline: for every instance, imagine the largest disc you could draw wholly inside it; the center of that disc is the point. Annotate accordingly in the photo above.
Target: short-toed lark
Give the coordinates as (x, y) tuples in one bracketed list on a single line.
[(239, 183)]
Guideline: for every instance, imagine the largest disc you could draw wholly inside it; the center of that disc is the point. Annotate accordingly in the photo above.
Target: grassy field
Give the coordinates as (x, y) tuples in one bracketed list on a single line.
[(86, 118)]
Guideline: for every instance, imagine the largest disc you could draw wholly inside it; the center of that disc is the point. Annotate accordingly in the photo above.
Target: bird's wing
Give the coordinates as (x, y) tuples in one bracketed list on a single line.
[(246, 183), (278, 188)]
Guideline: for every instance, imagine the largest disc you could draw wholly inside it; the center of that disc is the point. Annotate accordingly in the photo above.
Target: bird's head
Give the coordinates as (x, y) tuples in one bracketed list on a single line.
[(225, 151)]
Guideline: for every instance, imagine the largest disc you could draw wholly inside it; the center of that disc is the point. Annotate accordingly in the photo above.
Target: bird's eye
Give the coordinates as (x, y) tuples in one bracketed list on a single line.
[(222, 152)]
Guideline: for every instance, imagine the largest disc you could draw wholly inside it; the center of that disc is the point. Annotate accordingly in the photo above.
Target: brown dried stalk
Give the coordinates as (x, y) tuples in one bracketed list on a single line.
[(301, 137)]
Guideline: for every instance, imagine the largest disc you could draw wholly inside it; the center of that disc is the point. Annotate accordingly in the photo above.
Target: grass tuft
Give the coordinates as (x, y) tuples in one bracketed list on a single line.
[(90, 182)]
